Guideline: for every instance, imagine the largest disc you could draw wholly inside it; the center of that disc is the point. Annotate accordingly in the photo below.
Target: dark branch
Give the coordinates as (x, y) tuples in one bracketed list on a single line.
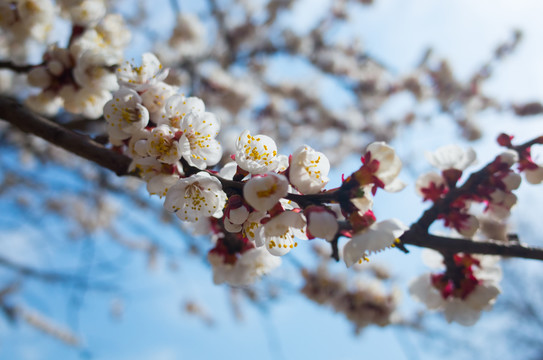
[(81, 145), (17, 68), (455, 245)]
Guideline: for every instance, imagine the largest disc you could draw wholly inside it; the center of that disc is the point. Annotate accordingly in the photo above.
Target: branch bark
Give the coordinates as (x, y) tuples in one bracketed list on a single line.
[(29, 122), (16, 68), (455, 245)]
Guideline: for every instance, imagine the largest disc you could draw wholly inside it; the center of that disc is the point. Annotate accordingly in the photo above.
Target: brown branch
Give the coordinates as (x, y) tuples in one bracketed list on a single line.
[(27, 121), (17, 68), (455, 245)]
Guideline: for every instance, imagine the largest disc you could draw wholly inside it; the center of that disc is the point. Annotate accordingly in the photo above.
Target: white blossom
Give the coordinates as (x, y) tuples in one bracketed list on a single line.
[(34, 19), (468, 227), (147, 167), (178, 106), (321, 223), (39, 77), (195, 197), (137, 145), (231, 227), (534, 176), (389, 165), (512, 181), (377, 237), (113, 31), (140, 78), (256, 154), (47, 103), (501, 202), (125, 115), (309, 170), (83, 12), (424, 181), (159, 184), (164, 144), (86, 101), (228, 170), (464, 310), (238, 215), (451, 157), (155, 98), (249, 267), (508, 157), (263, 192), (281, 231), (365, 202), (110, 35), (198, 144), (253, 228), (93, 70)]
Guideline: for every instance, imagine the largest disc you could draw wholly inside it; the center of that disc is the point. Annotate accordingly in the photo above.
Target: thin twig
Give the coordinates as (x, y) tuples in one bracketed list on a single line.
[(17, 68)]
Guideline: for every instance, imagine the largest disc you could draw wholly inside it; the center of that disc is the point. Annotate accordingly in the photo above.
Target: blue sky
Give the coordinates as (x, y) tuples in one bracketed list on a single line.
[(154, 325)]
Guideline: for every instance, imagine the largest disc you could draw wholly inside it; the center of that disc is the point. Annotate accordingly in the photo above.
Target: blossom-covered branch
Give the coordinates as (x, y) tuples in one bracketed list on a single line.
[(85, 147)]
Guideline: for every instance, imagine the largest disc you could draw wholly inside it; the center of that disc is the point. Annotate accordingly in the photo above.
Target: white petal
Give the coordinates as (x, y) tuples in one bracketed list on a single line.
[(456, 310), (422, 290), (482, 296)]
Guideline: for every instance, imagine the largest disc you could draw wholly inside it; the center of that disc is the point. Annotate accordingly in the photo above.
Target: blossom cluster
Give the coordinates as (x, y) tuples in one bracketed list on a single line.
[(25, 20), (81, 76), (468, 286), (260, 204), (469, 283), (526, 164), (495, 191)]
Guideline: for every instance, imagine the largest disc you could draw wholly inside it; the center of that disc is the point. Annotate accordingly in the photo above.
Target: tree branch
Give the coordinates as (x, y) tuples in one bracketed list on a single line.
[(17, 68), (456, 245), (27, 121)]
